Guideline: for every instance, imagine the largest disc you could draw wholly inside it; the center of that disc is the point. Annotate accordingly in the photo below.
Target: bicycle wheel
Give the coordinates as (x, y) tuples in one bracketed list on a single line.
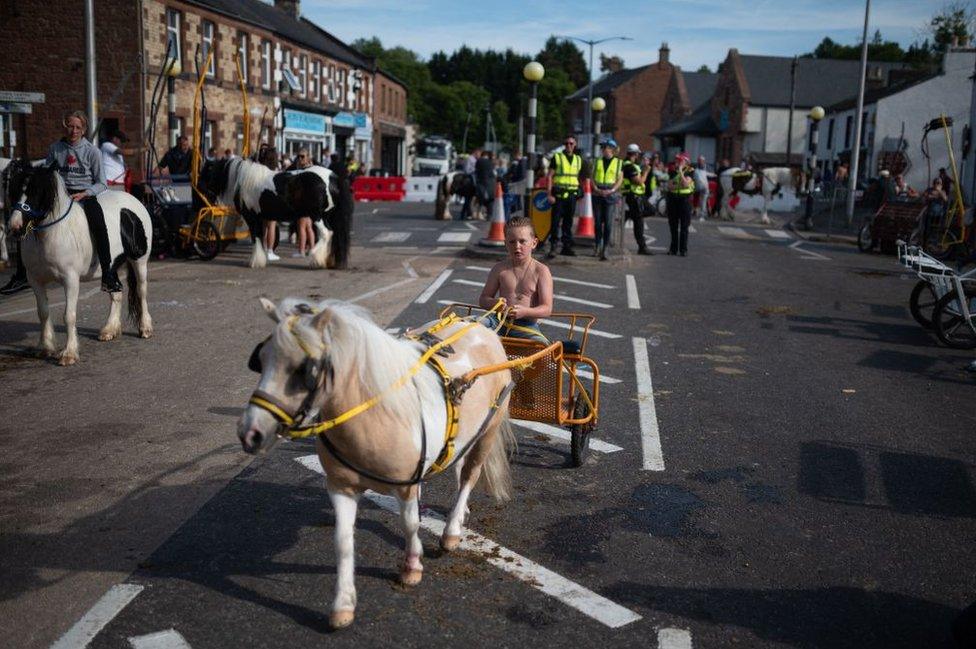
[(865, 240), (206, 242), (579, 443), (950, 325), (922, 302)]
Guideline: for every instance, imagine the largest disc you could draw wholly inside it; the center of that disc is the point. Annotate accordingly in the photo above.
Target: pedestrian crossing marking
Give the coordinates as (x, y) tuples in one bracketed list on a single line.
[(738, 233), (692, 229), (777, 234), (554, 323), (555, 279), (391, 237), (454, 237), (567, 298)]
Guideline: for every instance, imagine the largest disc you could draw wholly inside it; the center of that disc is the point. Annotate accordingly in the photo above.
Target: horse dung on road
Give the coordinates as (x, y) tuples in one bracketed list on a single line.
[(58, 249)]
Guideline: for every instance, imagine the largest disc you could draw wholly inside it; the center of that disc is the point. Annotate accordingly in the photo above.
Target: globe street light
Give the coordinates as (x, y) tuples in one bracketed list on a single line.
[(598, 105), (533, 73), (816, 114)]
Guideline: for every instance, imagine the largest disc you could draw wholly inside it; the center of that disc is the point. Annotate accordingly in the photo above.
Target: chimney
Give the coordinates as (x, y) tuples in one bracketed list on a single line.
[(290, 7), (664, 53)]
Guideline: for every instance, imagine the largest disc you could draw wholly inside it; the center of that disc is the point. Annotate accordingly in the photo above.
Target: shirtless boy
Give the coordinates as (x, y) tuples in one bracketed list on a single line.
[(522, 282)]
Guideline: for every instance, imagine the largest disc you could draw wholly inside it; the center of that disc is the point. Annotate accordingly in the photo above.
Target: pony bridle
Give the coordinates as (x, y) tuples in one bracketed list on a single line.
[(314, 368)]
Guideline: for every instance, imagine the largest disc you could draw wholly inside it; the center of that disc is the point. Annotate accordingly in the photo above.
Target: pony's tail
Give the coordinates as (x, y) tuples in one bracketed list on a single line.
[(498, 476), (134, 301), (341, 221), (441, 212)]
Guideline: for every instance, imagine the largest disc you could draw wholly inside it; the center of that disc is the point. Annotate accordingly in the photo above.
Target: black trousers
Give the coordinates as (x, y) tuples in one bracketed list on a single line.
[(679, 219), (635, 212), (563, 211), (602, 210), (96, 226)]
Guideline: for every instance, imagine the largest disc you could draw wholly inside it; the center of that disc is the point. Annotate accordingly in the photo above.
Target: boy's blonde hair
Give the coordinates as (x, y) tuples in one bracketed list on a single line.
[(519, 222)]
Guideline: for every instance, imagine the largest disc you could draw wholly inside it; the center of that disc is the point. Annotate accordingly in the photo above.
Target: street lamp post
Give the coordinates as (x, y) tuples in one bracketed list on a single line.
[(589, 87), (533, 73), (598, 105), (816, 114)]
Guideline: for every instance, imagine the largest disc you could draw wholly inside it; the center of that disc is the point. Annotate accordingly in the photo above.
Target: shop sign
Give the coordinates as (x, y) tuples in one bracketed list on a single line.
[(296, 120)]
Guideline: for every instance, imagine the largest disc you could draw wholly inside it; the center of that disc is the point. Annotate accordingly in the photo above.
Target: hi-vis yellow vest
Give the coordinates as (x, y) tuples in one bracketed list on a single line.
[(605, 172), (630, 187), (567, 171), (675, 186)]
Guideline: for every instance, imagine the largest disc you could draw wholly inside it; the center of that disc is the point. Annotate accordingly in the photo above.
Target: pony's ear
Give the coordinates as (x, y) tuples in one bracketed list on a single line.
[(270, 309), (321, 321)]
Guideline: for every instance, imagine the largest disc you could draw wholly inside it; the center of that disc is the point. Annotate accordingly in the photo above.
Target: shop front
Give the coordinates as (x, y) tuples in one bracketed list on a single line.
[(354, 135), (391, 148), (304, 130)]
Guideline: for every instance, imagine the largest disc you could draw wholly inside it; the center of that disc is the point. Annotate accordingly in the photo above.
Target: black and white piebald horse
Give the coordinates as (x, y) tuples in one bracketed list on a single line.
[(460, 184), (260, 194), (57, 248), (769, 182)]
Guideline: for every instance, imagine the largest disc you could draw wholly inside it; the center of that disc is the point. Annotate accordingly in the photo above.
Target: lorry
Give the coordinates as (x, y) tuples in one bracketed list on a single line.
[(433, 156)]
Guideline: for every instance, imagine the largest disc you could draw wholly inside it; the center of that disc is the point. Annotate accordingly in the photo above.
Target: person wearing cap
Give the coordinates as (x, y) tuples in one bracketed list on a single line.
[(563, 185), (681, 186), (607, 178), (112, 162), (635, 177)]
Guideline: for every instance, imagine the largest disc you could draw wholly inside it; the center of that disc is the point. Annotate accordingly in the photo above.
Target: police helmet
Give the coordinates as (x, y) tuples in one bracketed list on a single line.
[(633, 148)]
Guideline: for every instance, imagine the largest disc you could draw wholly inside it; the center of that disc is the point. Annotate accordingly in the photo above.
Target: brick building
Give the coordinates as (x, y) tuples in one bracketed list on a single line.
[(305, 87), (634, 99), (686, 117)]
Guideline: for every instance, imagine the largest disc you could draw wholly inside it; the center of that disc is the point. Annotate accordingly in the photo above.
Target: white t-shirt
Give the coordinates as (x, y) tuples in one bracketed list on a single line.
[(112, 163)]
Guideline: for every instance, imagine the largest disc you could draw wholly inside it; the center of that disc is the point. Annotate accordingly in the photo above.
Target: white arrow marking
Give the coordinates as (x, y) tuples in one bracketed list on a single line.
[(98, 616), (168, 639), (563, 435)]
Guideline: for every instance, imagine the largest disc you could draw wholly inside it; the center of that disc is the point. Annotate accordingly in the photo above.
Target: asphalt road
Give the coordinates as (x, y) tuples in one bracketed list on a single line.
[(813, 485)]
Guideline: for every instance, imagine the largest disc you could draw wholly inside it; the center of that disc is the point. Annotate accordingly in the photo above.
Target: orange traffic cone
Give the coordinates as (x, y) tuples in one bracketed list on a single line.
[(496, 233), (585, 222)]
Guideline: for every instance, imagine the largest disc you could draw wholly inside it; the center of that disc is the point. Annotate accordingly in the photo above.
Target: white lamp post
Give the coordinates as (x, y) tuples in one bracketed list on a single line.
[(598, 106), (816, 114), (533, 73)]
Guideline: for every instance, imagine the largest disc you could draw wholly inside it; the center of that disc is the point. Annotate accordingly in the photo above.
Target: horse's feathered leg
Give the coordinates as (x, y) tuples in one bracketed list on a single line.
[(141, 270), (412, 570), (113, 326), (47, 327), (344, 605), (319, 254), (69, 355)]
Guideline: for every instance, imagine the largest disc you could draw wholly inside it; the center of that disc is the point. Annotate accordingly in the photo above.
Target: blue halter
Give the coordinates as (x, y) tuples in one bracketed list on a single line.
[(31, 213)]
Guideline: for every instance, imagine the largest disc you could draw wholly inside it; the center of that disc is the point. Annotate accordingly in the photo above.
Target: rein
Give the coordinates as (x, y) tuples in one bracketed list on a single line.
[(31, 213)]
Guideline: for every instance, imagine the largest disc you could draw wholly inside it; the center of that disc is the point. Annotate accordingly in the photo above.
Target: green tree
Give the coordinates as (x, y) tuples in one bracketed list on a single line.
[(610, 64), (954, 22), (553, 90), (704, 68), (562, 54)]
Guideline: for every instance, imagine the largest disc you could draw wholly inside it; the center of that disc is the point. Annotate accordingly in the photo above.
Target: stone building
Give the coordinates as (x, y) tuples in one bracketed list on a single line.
[(686, 118), (305, 87)]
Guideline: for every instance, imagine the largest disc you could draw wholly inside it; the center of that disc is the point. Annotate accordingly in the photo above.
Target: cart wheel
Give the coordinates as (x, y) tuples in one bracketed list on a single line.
[(922, 302), (579, 442), (950, 325), (865, 242), (206, 243), (662, 206), (161, 243)]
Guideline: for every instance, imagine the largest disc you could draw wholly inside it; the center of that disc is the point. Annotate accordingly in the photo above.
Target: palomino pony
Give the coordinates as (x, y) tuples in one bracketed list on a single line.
[(456, 183), (324, 360), (260, 194), (58, 249), (767, 181)]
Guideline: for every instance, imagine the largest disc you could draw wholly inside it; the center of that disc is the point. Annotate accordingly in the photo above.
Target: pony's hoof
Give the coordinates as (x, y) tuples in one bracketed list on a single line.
[(67, 359), (410, 577), (108, 335), (341, 619), (146, 333), (46, 353), (450, 543)]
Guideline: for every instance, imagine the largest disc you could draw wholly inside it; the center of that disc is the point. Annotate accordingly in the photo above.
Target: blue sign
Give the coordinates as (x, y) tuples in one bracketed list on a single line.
[(350, 120), (541, 201), (296, 120)]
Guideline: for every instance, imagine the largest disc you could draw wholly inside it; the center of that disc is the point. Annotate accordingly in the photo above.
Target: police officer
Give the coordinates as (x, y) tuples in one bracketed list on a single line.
[(681, 185), (563, 184), (635, 177), (607, 179)]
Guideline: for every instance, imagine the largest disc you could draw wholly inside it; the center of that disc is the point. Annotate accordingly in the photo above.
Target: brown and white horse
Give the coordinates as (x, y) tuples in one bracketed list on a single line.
[(325, 359), (768, 182), (456, 183)]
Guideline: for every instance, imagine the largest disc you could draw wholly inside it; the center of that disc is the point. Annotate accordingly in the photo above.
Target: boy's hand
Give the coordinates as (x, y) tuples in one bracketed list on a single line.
[(514, 311)]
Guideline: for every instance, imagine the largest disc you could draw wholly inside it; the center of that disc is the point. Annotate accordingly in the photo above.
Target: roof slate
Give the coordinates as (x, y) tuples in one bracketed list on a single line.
[(819, 82), (699, 122), (700, 87), (608, 82)]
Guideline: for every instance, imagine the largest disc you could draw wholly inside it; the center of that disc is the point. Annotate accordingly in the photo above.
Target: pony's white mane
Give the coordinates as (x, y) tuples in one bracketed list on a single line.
[(251, 178)]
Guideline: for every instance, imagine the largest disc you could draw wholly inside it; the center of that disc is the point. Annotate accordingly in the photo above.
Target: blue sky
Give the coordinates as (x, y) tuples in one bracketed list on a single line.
[(698, 31)]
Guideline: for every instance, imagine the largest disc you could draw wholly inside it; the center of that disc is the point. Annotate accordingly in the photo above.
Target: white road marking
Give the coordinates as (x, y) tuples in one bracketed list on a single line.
[(738, 233), (99, 615), (609, 380), (649, 239), (436, 284), (391, 237), (454, 237), (692, 229), (393, 330), (567, 298), (382, 289), (633, 301), (570, 593), (471, 226), (669, 638), (563, 435), (555, 279), (813, 255), (410, 271), (168, 639), (650, 434), (778, 234), (593, 332)]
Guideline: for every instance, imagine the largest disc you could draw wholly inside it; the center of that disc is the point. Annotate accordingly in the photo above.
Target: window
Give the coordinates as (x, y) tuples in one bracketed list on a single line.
[(208, 133), (178, 129), (242, 53), (341, 86), (314, 80), (303, 73), (208, 44), (174, 47), (332, 84), (266, 64), (830, 134), (848, 129)]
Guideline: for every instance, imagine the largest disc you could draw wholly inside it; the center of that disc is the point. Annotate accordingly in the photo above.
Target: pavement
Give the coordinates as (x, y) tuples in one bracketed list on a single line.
[(784, 460)]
